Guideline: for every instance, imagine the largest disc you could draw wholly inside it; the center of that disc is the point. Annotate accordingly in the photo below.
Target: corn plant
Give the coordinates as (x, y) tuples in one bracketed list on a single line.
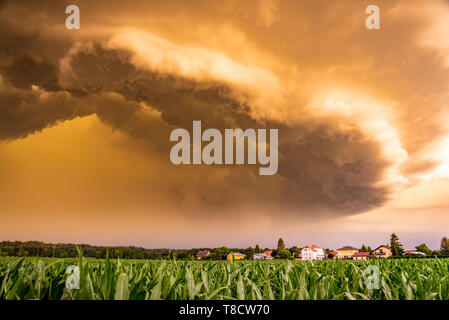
[(45, 278)]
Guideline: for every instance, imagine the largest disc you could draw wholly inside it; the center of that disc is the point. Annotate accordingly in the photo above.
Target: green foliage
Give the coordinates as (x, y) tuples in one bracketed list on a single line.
[(250, 253), (295, 251), (444, 249), (396, 246), (424, 249), (63, 250), (284, 254), (122, 288), (44, 278), (281, 245)]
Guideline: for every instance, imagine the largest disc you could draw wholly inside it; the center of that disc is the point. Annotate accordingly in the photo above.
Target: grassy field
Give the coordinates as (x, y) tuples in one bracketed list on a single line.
[(45, 278)]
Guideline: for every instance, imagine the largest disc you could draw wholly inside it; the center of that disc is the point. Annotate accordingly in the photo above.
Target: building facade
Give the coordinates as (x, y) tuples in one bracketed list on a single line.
[(312, 253), (413, 253), (346, 252), (235, 256), (361, 255), (262, 256), (202, 254), (382, 252)]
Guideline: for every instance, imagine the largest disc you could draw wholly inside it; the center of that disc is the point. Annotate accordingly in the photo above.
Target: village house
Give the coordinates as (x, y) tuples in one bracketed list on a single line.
[(332, 255), (360, 255), (312, 253), (236, 256), (262, 256), (413, 253), (202, 254), (382, 252), (346, 252), (268, 253)]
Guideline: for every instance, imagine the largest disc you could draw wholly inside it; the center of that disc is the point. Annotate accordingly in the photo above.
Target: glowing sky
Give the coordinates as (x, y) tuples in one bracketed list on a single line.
[(85, 119)]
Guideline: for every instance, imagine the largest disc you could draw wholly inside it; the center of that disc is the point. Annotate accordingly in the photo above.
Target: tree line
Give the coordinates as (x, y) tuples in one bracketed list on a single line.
[(68, 250)]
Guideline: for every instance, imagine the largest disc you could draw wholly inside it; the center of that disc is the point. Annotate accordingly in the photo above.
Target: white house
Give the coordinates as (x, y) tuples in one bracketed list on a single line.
[(312, 253), (262, 256), (413, 253)]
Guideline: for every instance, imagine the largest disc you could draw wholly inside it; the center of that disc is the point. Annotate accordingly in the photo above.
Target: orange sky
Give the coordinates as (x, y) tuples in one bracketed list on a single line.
[(85, 118)]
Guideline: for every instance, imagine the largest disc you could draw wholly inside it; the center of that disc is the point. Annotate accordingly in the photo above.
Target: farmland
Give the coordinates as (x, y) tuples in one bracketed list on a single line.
[(45, 278)]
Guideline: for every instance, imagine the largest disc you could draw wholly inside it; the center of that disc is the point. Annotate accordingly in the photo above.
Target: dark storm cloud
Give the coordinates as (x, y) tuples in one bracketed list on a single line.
[(24, 112), (180, 100), (310, 156), (325, 161), (327, 166), (338, 169), (24, 71)]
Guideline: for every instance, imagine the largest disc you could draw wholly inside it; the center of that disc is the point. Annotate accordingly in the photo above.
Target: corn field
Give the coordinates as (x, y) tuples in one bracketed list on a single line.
[(45, 278)]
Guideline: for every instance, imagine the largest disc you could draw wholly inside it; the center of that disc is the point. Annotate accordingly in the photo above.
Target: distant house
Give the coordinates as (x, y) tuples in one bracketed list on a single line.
[(312, 253), (413, 253), (202, 254), (268, 253), (236, 256), (382, 252), (346, 252), (262, 256), (332, 255), (360, 255)]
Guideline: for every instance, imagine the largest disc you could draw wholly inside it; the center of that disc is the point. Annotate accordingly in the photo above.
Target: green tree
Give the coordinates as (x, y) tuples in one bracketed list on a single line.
[(137, 255), (364, 248), (222, 253), (295, 251), (281, 245), (284, 254), (250, 253), (424, 249), (257, 249), (211, 256), (444, 248), (396, 246), (369, 249), (117, 253)]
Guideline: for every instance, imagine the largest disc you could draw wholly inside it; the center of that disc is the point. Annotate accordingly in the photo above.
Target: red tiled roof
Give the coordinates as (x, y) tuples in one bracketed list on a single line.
[(361, 254), (202, 253), (348, 248), (313, 247), (413, 252)]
